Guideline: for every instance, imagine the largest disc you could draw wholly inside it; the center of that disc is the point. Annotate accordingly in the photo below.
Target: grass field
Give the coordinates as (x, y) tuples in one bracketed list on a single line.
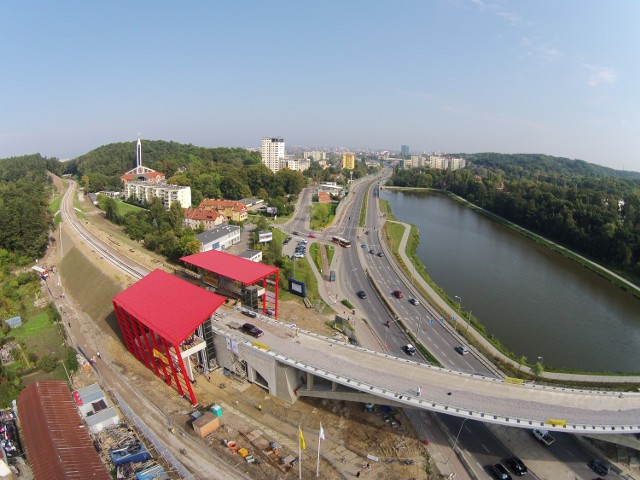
[(322, 215), (124, 208)]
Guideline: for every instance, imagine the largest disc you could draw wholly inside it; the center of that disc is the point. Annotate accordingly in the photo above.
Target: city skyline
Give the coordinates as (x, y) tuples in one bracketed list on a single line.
[(458, 76)]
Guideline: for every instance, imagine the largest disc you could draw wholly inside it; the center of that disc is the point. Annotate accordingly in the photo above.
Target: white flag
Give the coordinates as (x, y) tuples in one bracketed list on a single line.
[(321, 432)]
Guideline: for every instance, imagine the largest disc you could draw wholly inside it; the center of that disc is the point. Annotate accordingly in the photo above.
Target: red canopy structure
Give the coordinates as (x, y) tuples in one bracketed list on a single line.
[(159, 316), (217, 265)]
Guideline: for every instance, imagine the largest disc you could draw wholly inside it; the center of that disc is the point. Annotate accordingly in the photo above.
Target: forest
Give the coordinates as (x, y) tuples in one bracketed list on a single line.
[(590, 209)]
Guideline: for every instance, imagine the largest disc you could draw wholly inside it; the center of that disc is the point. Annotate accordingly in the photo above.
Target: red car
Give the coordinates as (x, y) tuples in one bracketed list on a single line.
[(398, 294), (312, 235)]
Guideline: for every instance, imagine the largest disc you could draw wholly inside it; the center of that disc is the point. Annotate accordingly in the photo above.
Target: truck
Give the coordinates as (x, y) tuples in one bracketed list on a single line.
[(543, 436)]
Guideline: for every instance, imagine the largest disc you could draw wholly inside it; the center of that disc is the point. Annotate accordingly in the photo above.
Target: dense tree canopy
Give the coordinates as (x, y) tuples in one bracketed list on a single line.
[(591, 209)]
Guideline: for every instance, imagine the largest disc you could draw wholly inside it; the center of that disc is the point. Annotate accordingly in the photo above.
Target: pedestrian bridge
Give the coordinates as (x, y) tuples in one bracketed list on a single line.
[(291, 363)]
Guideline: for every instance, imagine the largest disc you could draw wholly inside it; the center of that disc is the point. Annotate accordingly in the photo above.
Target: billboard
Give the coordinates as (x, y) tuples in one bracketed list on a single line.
[(265, 236), (297, 288)]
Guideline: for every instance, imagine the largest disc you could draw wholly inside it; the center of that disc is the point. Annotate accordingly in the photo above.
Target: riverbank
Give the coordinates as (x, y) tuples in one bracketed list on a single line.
[(512, 363)]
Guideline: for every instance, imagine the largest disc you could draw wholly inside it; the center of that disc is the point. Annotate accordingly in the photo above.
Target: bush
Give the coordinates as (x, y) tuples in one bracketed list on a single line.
[(48, 364)]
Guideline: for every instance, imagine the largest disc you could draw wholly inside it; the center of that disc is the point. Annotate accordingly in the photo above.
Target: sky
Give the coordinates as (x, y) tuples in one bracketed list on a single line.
[(554, 77)]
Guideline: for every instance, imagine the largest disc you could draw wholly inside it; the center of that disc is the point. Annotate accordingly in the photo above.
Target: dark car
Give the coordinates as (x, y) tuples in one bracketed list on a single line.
[(500, 472), (600, 467), (398, 294), (295, 232), (372, 251), (286, 240), (380, 254), (362, 294), (462, 350), (249, 313), (517, 466), (252, 330)]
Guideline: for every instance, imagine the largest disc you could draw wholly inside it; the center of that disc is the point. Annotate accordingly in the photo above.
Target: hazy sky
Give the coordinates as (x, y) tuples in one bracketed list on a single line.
[(560, 77)]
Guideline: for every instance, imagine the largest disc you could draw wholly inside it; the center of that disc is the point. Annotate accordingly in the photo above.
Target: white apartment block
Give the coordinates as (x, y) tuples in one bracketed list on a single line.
[(273, 153), (168, 194), (441, 162), (315, 155), (298, 164)]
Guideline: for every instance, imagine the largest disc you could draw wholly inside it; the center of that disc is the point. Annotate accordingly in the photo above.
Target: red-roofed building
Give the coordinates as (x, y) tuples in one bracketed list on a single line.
[(56, 444), (231, 209), (142, 174), (164, 321), (194, 218), (224, 271)]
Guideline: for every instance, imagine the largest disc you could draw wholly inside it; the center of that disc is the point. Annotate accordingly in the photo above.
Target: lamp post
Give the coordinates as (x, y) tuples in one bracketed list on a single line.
[(350, 286), (455, 443), (459, 310)]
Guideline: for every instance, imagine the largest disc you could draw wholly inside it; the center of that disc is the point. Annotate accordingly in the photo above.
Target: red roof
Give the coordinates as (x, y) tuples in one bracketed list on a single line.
[(56, 445), (168, 305), (230, 266)]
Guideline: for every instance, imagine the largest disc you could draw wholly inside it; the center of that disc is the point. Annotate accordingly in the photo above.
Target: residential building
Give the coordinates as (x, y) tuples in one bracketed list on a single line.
[(205, 219), (315, 155), (253, 255), (349, 161), (273, 153), (231, 209), (219, 238), (298, 164), (168, 194)]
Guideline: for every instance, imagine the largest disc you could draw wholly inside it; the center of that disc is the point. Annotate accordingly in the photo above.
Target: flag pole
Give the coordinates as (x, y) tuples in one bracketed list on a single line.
[(319, 441), (299, 452)]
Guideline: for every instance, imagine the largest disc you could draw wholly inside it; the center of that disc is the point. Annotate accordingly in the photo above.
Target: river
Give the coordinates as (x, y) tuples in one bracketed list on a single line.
[(535, 301)]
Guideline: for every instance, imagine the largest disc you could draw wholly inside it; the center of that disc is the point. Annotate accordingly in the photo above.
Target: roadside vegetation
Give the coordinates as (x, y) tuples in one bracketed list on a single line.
[(322, 215), (363, 208)]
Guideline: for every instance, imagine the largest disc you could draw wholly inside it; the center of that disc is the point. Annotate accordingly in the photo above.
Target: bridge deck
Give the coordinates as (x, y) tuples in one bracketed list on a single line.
[(487, 399)]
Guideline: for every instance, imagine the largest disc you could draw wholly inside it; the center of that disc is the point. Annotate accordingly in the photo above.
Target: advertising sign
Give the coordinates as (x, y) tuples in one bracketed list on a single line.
[(265, 236), (297, 288)]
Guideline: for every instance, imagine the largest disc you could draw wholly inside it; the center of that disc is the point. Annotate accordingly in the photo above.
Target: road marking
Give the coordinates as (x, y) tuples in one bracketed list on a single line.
[(486, 449)]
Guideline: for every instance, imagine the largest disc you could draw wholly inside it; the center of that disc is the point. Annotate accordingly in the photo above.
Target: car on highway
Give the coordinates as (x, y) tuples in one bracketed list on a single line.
[(409, 349), (500, 472), (414, 301), (380, 254), (517, 465), (372, 251), (249, 313), (252, 330), (600, 467), (461, 349), (398, 294), (362, 294)]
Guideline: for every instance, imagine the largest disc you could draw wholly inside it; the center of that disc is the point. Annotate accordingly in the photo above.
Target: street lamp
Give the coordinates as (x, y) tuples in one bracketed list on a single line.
[(455, 443), (459, 306)]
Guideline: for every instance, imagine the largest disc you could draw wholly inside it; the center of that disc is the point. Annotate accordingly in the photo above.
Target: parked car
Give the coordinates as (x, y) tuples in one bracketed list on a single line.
[(398, 294), (249, 313), (409, 349), (600, 467), (517, 466), (414, 301), (312, 235), (500, 472), (285, 241), (270, 311), (252, 330), (362, 294), (295, 232), (462, 350)]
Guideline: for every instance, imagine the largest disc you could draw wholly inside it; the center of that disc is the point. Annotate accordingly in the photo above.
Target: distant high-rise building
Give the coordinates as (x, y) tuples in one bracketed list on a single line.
[(349, 161), (404, 150), (273, 153)]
